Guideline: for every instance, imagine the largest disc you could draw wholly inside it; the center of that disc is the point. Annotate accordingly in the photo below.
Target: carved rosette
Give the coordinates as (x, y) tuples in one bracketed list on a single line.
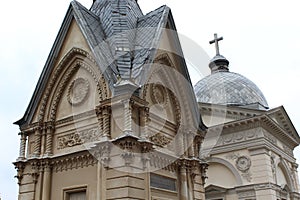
[(78, 91), (159, 94), (243, 163)]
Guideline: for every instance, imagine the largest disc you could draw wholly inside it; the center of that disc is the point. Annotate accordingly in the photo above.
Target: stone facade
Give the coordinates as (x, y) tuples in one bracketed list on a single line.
[(95, 133), (254, 148)]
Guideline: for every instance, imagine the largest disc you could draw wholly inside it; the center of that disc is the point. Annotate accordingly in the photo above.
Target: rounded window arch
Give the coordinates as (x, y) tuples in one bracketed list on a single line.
[(221, 168), (283, 176)]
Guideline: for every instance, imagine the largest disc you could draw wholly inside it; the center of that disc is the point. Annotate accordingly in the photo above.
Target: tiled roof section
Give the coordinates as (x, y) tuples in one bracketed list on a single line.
[(119, 21), (92, 29), (147, 36), (227, 88), (120, 36)]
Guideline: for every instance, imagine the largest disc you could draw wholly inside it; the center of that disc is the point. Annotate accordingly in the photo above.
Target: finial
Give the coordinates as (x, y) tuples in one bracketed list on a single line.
[(219, 62), (216, 41)]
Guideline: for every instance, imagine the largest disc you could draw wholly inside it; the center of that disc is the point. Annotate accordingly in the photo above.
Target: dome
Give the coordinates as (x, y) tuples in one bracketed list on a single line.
[(228, 88)]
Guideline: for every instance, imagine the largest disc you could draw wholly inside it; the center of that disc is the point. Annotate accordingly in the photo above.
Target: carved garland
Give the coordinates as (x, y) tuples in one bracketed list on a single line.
[(67, 59)]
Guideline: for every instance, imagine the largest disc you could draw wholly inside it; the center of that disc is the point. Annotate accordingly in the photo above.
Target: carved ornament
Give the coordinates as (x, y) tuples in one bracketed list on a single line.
[(78, 138), (243, 163), (160, 140), (78, 91), (69, 140)]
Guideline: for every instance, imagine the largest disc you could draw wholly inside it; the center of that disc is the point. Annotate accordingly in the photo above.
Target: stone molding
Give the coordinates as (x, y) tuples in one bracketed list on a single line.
[(74, 162)]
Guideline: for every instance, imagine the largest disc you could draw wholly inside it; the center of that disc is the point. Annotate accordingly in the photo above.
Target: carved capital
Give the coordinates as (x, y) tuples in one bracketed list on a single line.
[(102, 152), (20, 169)]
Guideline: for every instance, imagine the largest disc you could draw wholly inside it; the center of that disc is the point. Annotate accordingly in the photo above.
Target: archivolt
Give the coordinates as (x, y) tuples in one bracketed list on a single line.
[(285, 168), (178, 83), (74, 55), (166, 81)]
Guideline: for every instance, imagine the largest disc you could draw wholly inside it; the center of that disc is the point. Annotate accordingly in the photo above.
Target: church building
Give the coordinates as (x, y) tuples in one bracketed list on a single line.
[(249, 147), (115, 116)]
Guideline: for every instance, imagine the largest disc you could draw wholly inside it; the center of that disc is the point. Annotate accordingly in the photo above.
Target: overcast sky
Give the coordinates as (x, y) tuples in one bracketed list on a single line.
[(261, 41)]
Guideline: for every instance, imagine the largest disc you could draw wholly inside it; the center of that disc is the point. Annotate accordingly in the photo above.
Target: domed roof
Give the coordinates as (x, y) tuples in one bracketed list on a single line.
[(228, 88)]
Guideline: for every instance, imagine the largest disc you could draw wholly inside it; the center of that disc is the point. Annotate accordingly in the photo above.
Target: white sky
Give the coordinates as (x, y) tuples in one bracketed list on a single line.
[(261, 41)]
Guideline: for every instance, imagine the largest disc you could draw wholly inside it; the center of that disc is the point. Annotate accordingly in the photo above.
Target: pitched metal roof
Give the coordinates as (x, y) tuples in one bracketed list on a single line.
[(120, 36)]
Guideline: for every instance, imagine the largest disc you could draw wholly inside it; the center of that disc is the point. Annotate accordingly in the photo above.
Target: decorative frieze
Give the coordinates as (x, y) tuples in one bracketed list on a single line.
[(78, 138), (74, 162), (160, 140), (69, 140), (237, 137)]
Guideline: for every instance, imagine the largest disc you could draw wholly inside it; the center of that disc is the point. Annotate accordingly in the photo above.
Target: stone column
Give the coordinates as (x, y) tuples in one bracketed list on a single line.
[(190, 143), (46, 182), (183, 182), (106, 122), (22, 146), (179, 143), (127, 117), (37, 141), (49, 140), (37, 177), (100, 121), (144, 123)]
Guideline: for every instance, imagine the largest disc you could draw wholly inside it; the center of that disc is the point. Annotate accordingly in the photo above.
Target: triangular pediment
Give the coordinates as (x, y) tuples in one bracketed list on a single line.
[(214, 189), (281, 118)]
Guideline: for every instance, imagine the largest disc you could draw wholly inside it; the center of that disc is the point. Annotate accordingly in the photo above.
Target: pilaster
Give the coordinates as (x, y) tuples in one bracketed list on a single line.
[(46, 180), (261, 165)]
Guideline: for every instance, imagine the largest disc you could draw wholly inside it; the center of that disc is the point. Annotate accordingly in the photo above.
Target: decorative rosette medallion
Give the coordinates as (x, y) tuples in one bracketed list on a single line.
[(159, 94), (78, 91), (243, 163)]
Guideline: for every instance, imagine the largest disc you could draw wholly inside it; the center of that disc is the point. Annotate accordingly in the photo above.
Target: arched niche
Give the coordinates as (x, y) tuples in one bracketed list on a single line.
[(222, 173)]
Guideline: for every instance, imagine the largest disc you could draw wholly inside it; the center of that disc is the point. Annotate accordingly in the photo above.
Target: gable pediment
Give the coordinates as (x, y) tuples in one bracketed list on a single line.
[(70, 40), (214, 189)]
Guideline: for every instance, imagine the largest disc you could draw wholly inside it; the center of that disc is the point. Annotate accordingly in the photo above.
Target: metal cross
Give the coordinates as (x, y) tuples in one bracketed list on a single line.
[(216, 41)]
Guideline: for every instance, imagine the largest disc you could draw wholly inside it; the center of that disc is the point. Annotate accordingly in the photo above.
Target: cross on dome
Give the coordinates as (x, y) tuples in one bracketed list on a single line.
[(216, 41)]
